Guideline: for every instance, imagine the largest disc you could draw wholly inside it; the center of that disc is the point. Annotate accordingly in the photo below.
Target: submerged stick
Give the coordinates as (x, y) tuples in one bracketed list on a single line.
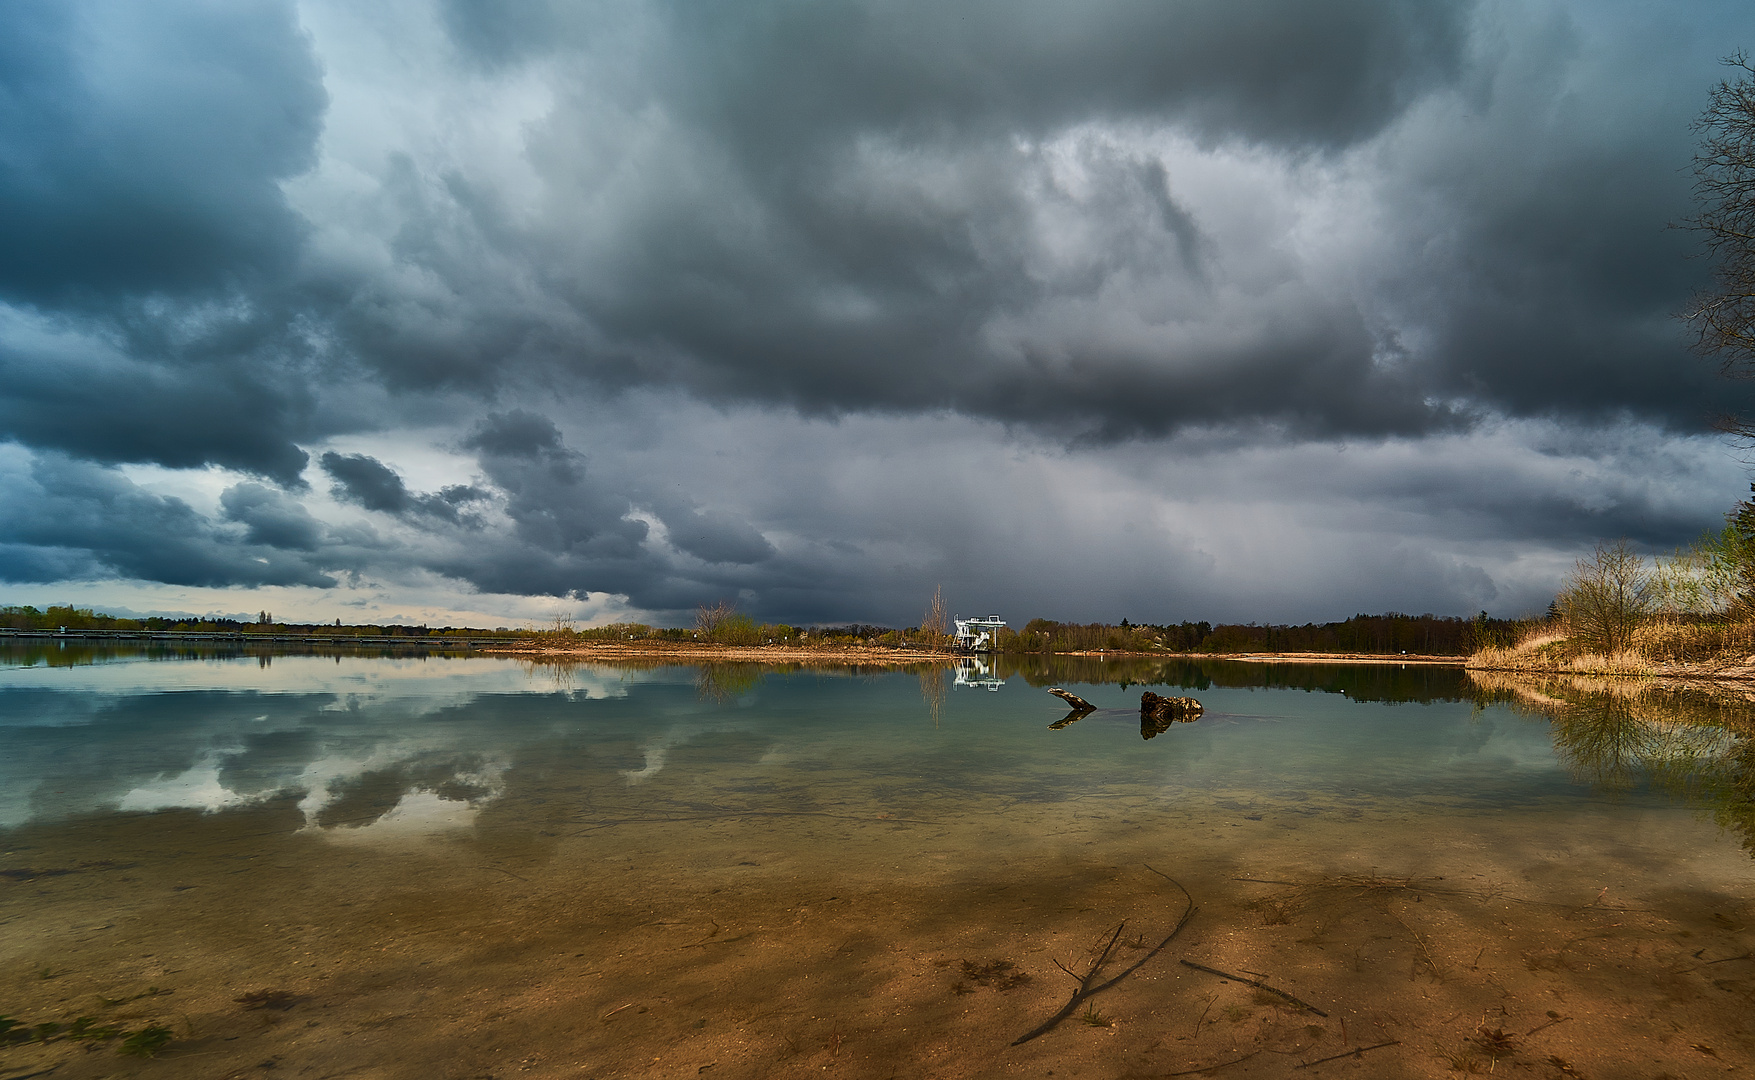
[(1215, 1065), (1549, 1024), (1349, 1053), (1085, 989), (1258, 984)]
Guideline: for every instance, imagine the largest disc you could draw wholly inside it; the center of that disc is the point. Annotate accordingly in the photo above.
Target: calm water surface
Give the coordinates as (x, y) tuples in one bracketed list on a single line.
[(402, 865)]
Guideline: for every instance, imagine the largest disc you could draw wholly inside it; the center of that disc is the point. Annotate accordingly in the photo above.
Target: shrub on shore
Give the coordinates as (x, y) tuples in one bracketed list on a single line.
[(1619, 614)]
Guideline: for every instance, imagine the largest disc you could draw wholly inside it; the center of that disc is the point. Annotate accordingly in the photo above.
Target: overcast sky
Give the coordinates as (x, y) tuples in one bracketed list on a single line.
[(455, 311)]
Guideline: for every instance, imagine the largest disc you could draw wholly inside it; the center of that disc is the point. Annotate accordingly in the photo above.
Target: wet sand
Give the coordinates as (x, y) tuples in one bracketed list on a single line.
[(569, 929)]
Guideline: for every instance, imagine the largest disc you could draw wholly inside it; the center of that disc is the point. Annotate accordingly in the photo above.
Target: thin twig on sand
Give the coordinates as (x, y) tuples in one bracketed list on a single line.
[(1086, 989), (1258, 984), (1431, 962), (1215, 1065), (1348, 1053)]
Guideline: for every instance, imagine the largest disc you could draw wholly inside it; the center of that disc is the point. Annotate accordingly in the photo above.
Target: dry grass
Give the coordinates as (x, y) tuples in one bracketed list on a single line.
[(1673, 641), (1659, 642), (1625, 662)]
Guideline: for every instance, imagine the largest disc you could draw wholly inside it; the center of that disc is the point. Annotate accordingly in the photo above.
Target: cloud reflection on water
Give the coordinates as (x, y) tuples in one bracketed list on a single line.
[(376, 747)]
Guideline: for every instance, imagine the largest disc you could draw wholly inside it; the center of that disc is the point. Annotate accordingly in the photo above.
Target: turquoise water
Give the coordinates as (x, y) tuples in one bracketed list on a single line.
[(138, 733)]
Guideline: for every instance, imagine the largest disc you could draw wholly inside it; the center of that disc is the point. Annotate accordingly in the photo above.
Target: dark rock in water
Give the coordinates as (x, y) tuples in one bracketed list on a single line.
[(1079, 704), (1158, 713)]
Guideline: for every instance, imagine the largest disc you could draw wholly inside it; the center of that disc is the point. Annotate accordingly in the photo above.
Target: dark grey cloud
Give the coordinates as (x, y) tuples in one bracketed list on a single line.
[(776, 69), (93, 518), (143, 145), (146, 243), (572, 533), (518, 434), (1264, 225), (857, 206), (715, 537), (862, 206), (368, 482), (270, 517), (84, 397)]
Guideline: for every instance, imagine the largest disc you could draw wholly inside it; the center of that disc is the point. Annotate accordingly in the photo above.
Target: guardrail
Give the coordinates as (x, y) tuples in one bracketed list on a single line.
[(249, 638)]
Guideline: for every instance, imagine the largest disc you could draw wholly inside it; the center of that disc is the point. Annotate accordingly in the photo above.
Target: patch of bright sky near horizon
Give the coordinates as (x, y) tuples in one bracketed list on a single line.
[(1135, 311)]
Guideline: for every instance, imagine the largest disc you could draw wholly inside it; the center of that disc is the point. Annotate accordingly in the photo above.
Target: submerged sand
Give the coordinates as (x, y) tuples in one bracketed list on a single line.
[(570, 931)]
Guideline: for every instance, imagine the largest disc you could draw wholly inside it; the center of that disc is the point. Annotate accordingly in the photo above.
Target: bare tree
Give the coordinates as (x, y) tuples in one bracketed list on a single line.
[(935, 625), (1724, 192), (1607, 596), (709, 616)]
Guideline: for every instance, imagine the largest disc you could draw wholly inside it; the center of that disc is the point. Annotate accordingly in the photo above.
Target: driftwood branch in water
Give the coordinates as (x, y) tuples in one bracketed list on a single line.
[(1086, 989), (1078, 703), (1080, 708), (1258, 984)]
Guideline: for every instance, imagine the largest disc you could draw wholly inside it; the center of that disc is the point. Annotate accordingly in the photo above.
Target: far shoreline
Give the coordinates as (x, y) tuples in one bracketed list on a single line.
[(901, 655)]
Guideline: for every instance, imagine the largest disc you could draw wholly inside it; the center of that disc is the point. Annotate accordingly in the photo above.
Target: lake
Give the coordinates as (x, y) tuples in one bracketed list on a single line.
[(395, 865)]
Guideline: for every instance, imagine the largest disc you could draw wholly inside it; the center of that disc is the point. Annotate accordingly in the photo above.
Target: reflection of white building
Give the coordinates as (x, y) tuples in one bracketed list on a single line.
[(978, 635), (973, 672)]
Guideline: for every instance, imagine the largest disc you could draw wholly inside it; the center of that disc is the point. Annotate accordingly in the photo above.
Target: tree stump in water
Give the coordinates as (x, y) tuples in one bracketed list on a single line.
[(1158, 713)]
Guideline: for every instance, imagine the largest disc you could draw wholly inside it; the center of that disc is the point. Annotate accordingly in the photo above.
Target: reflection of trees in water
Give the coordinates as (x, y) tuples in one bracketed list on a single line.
[(1692, 744), (1361, 682), (725, 682), (933, 688), (560, 673), (76, 652)]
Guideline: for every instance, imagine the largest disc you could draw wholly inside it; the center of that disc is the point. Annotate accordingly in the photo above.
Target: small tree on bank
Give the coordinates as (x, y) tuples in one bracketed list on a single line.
[(935, 625), (723, 624), (708, 617), (1606, 597)]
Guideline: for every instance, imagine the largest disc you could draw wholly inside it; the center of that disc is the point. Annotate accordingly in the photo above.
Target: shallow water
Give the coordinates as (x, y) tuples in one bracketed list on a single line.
[(473, 867)]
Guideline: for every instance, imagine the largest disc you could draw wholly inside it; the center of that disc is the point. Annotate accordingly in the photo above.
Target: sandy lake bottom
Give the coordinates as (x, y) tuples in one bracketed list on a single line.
[(368, 867)]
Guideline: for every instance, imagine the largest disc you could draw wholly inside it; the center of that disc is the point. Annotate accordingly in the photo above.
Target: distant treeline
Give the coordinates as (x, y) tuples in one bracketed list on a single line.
[(57, 617), (1432, 635)]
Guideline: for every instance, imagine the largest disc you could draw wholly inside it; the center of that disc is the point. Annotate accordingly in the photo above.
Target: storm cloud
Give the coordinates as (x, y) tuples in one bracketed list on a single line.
[(367, 481), (84, 520), (1104, 308)]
